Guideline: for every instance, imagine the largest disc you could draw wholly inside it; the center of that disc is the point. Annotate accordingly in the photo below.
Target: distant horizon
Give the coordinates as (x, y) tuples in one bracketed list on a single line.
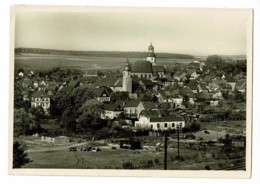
[(125, 29), (128, 51)]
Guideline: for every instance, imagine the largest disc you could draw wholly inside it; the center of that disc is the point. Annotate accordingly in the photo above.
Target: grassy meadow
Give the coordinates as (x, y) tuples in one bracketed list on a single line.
[(45, 62)]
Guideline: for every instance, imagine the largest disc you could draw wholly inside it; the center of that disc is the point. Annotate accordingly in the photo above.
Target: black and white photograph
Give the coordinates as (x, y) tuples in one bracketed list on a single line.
[(124, 91)]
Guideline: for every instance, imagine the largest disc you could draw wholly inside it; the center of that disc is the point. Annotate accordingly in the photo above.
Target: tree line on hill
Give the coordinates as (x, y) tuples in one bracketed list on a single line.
[(100, 53)]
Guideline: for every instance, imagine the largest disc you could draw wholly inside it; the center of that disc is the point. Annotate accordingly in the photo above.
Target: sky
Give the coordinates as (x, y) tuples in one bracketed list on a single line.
[(171, 30)]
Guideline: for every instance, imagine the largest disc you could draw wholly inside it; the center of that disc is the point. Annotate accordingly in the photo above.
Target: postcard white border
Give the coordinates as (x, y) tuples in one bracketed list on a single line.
[(132, 173)]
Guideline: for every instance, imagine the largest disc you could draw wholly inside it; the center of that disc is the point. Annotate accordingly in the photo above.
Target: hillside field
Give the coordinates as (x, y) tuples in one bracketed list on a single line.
[(45, 62)]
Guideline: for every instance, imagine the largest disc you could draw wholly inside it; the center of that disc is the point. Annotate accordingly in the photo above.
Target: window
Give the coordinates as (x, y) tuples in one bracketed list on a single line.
[(165, 125), (158, 125), (173, 124), (151, 126)]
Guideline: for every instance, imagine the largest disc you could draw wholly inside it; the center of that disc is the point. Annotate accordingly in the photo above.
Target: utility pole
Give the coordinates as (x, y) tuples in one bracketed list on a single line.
[(165, 151), (178, 141), (178, 131)]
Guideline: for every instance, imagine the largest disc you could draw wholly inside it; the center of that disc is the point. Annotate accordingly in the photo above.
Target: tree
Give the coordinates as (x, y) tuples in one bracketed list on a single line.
[(39, 114), (24, 123), (18, 98), (90, 112), (195, 127), (227, 145), (119, 96), (214, 61), (239, 96), (19, 155)]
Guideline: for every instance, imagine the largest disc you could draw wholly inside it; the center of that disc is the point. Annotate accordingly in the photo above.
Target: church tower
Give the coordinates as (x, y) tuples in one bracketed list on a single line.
[(127, 79), (151, 56)]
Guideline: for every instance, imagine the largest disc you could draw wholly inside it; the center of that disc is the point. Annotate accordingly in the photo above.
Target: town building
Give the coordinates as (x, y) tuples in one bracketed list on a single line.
[(40, 98), (111, 111), (148, 68), (152, 120), (127, 78)]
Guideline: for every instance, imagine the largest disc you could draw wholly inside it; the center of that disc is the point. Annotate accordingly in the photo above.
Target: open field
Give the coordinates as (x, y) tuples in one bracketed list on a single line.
[(45, 62), (196, 157), (232, 127)]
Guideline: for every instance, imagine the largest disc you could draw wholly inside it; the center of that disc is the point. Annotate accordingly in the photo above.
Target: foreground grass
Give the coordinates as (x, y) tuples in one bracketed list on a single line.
[(194, 159)]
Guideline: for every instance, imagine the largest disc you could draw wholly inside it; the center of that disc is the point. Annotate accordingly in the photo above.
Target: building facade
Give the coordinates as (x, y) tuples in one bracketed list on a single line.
[(40, 98), (127, 78)]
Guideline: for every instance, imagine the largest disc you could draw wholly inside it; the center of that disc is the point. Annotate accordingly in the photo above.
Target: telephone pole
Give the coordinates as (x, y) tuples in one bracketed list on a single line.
[(165, 151)]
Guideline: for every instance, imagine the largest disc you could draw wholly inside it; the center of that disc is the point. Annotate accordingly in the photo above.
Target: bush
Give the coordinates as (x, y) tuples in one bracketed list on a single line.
[(179, 158), (128, 165), (157, 162), (190, 136), (195, 127)]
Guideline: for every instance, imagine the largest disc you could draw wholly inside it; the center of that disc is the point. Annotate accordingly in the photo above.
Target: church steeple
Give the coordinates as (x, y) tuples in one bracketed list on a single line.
[(127, 78), (151, 56), (127, 66)]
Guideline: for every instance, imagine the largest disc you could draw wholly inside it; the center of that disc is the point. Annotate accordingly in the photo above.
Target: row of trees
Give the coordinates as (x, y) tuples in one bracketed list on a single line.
[(100, 53), (218, 63)]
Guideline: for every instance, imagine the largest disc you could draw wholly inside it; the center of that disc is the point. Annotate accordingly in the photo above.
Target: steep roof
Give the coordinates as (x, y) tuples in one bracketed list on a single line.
[(132, 103), (109, 82), (112, 107), (149, 113), (142, 66), (73, 83), (40, 93), (99, 91), (204, 95), (167, 119), (230, 79), (241, 84), (149, 105), (147, 82), (190, 71), (67, 89), (158, 69)]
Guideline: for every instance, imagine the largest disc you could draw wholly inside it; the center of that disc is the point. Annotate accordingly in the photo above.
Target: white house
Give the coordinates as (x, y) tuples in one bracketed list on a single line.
[(40, 98), (20, 74), (133, 108), (111, 111), (160, 123)]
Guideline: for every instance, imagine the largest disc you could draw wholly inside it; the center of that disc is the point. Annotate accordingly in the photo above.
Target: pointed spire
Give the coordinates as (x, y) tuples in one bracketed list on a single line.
[(127, 66)]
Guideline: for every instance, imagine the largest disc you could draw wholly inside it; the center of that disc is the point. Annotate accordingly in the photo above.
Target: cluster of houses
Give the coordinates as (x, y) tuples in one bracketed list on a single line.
[(157, 98)]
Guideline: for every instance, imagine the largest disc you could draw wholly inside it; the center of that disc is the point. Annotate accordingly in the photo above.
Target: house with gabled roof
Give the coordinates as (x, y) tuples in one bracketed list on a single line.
[(155, 122), (40, 98), (133, 108), (74, 83), (26, 83), (158, 71), (192, 73), (66, 89), (187, 92), (203, 96), (177, 100), (102, 94), (231, 81), (112, 111), (202, 87), (146, 84), (241, 86), (150, 106)]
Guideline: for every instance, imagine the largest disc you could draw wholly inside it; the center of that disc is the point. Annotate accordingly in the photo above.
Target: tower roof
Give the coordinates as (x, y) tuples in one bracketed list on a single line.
[(127, 66), (150, 47)]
